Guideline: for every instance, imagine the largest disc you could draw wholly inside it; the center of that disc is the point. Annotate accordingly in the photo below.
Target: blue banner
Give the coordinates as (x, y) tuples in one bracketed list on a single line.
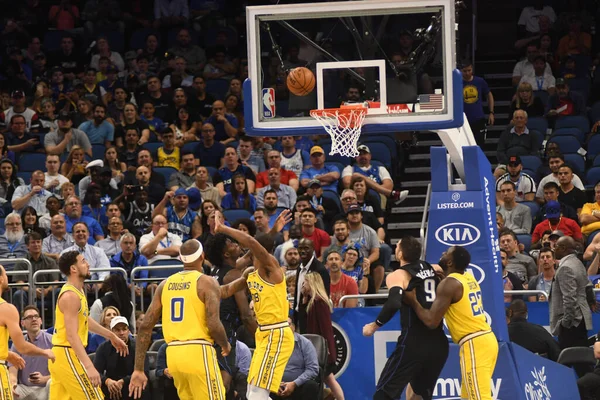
[(519, 374), (465, 215)]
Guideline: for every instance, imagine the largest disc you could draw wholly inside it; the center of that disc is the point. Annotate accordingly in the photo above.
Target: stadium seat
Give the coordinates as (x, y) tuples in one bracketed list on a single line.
[(98, 151), (579, 122), (211, 171), (29, 162), (338, 165), (153, 147), (531, 162), (543, 96), (539, 137), (165, 171), (116, 39), (26, 176), (381, 152), (190, 146), (320, 345), (525, 240), (593, 147), (577, 162), (232, 215), (581, 86), (52, 40), (577, 356), (156, 345), (333, 196), (566, 131), (387, 140), (538, 124), (163, 273), (592, 176), (566, 144), (594, 113), (151, 356), (533, 207), (217, 87), (335, 158), (138, 38), (596, 162)]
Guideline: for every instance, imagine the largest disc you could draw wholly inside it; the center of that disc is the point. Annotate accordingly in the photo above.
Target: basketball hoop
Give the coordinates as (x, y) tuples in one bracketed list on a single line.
[(343, 125)]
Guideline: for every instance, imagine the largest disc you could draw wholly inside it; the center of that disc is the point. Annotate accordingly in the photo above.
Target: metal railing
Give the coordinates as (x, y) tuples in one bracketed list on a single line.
[(156, 279), (58, 284), (28, 274), (422, 232)]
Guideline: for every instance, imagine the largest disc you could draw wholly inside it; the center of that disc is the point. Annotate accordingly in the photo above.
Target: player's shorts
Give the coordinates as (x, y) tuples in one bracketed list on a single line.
[(69, 377), (193, 365), (478, 355), (5, 386), (418, 359), (274, 347)]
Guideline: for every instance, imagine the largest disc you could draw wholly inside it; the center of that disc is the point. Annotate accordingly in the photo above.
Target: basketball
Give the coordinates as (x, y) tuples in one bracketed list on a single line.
[(301, 81)]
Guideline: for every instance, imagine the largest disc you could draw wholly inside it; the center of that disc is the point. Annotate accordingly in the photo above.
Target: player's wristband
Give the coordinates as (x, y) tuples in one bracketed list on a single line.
[(391, 306)]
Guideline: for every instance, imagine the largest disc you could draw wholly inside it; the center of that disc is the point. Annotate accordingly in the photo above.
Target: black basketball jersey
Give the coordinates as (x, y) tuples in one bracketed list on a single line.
[(424, 281), (229, 312)]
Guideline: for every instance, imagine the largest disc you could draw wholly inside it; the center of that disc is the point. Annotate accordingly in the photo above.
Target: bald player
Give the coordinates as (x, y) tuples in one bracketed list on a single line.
[(191, 326)]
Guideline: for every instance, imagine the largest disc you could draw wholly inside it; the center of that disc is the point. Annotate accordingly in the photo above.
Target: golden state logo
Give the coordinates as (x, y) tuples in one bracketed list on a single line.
[(470, 94)]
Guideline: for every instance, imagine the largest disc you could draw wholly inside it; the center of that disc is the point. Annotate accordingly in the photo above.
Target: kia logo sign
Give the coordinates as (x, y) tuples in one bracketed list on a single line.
[(477, 272), (457, 234)]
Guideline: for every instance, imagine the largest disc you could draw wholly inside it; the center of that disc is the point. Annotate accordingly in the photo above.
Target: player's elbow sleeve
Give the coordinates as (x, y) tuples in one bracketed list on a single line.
[(393, 304)]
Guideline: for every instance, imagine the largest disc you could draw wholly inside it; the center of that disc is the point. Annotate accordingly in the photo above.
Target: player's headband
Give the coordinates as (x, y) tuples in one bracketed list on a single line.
[(190, 258)]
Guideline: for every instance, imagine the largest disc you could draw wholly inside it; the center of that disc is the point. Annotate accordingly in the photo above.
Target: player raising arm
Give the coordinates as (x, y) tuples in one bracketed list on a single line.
[(459, 300), (268, 290)]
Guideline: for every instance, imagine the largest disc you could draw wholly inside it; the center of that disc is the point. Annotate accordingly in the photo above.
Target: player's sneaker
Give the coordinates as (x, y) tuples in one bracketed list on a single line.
[(398, 196)]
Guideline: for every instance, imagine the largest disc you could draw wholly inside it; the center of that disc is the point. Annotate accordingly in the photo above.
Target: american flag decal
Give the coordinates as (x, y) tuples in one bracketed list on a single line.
[(431, 101)]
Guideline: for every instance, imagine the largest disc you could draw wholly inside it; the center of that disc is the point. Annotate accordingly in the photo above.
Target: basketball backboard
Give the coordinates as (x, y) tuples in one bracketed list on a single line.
[(398, 54)]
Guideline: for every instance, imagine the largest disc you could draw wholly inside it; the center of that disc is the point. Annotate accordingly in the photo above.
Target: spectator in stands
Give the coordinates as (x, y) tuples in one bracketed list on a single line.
[(219, 67), (575, 41), (103, 48), (525, 67), (175, 207), (546, 242), (210, 152), (91, 90), (248, 157), (53, 205), (131, 120), (67, 58), (193, 54), (115, 369), (168, 155), (163, 374), (318, 237), (519, 264), (4, 152), (223, 177), (128, 258), (206, 189), (292, 158), (543, 280), (95, 257), (510, 281), (309, 263), (156, 190), (162, 103), (356, 267), (541, 79), (116, 294), (551, 193), (9, 182), (39, 262), (475, 90), (589, 217), (208, 227), (517, 140), (555, 161), (112, 244), (556, 222), (129, 152), (18, 139), (33, 195), (326, 207), (341, 284), (99, 131), (11, 242), (340, 239), (287, 177), (286, 195), (570, 315), (565, 102), (92, 207), (30, 222), (83, 112), (289, 257), (63, 140), (58, 240), (239, 198), (138, 212), (368, 201), (159, 244), (117, 167), (517, 217), (226, 125), (589, 384), (53, 179), (95, 340), (73, 215), (18, 107), (524, 184), (186, 176), (114, 110), (178, 77), (534, 338), (202, 101), (31, 382), (328, 175), (99, 175), (529, 20), (569, 194), (349, 198)]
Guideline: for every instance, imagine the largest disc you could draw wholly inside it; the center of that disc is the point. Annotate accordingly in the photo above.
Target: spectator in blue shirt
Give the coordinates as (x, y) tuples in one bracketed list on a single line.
[(73, 215), (129, 258), (475, 91), (239, 198), (209, 151), (328, 175), (99, 130), (226, 125), (224, 177)]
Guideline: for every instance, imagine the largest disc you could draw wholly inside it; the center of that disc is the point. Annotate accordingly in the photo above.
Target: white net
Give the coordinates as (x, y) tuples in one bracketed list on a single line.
[(344, 126)]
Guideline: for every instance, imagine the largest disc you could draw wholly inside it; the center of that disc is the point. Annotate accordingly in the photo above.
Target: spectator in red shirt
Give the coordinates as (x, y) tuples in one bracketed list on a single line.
[(64, 17), (319, 237), (556, 222), (287, 177), (340, 284)]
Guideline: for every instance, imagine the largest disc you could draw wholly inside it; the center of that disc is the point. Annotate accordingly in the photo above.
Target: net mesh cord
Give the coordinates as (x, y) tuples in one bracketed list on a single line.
[(343, 126)]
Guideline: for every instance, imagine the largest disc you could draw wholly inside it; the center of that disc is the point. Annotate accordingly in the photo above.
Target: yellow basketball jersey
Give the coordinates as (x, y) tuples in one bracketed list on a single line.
[(466, 316), (3, 338), (60, 334), (270, 301), (168, 160), (183, 313)]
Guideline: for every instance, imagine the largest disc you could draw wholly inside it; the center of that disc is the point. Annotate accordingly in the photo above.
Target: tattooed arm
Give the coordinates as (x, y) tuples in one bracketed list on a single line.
[(144, 335), (210, 295)]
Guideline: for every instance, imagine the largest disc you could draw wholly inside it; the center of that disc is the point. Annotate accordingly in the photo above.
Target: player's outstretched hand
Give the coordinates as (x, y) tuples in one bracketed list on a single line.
[(282, 220), (226, 350), (218, 223), (119, 345), (137, 384), (247, 272), (16, 360), (369, 329)]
